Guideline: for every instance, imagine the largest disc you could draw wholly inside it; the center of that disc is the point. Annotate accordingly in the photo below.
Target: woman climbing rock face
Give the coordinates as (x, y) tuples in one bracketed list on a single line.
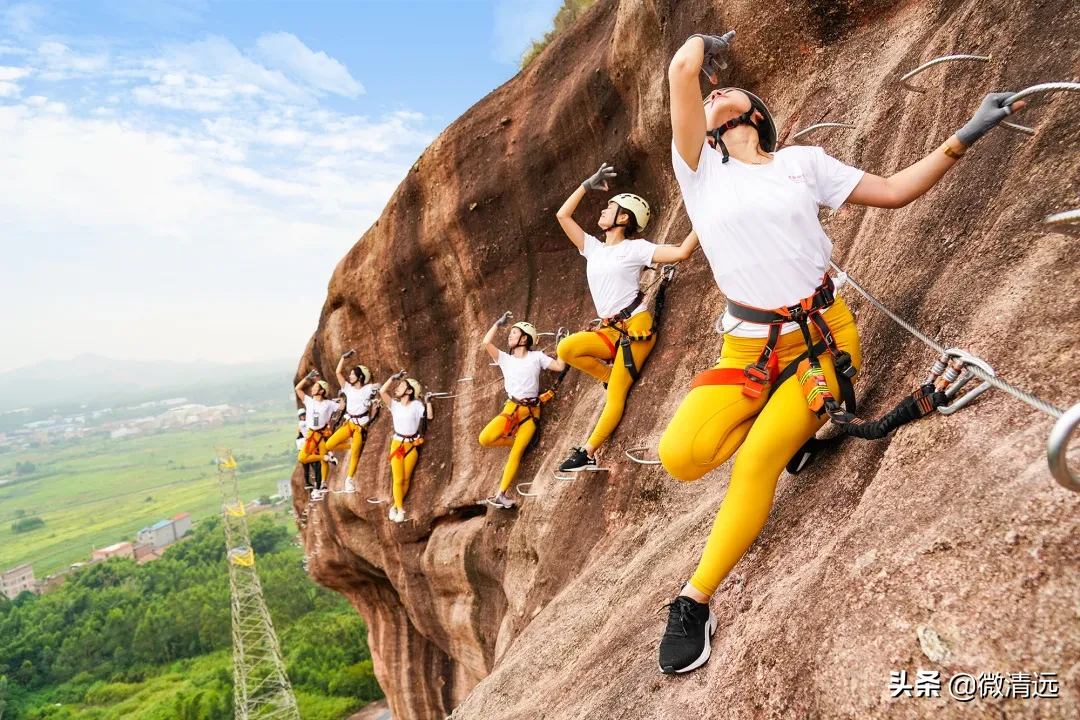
[(615, 352), (361, 397), (318, 411), (408, 413), (767, 250), (515, 426)]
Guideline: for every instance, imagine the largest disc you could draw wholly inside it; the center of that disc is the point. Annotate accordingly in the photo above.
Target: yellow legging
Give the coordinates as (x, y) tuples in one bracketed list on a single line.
[(586, 350), (713, 421), (403, 457), (350, 433), (495, 435), (314, 450)]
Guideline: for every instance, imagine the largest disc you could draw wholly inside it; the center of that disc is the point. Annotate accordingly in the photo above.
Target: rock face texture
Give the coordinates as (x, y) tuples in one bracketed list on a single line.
[(946, 547)]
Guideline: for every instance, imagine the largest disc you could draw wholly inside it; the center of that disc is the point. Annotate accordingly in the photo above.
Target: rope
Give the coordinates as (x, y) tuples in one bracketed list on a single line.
[(1032, 400)]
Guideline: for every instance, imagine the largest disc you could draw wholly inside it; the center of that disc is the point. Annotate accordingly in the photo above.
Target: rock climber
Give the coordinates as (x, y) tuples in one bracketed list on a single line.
[(409, 414), (301, 427), (613, 268), (319, 409), (756, 211), (361, 398), (515, 426)]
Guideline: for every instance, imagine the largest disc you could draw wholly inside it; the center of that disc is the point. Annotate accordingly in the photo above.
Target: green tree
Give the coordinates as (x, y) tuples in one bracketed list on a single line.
[(3, 695)]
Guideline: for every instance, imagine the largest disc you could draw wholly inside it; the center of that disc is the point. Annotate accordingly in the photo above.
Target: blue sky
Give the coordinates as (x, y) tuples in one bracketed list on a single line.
[(178, 178)]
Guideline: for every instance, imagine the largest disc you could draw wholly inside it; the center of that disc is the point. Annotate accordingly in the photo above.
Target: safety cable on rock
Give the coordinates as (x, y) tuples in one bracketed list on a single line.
[(1067, 421)]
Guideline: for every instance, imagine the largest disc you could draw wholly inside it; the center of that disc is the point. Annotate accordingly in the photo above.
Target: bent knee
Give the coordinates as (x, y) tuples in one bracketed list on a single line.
[(676, 455)]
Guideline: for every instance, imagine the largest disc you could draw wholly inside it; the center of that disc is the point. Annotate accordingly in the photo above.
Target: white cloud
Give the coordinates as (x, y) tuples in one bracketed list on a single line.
[(286, 52), (170, 185), (13, 73), (23, 18), (516, 23)]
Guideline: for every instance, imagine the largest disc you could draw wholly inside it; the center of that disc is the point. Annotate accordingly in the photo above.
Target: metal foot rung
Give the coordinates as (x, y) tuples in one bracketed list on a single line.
[(526, 493), (638, 460), (572, 476), (375, 501)]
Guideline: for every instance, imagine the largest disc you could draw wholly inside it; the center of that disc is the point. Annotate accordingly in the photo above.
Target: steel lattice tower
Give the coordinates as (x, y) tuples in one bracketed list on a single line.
[(261, 688)]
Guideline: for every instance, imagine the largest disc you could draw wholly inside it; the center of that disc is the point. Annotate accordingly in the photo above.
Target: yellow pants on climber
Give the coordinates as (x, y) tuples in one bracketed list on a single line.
[(714, 421), (513, 428), (589, 352), (352, 434)]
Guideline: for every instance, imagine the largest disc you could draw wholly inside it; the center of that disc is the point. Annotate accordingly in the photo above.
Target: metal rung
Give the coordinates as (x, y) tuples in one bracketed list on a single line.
[(812, 128), (639, 461), (937, 61), (526, 493), (1057, 449)]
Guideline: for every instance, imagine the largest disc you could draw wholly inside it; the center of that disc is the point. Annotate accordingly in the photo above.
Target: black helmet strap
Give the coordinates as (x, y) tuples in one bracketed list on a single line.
[(744, 119)]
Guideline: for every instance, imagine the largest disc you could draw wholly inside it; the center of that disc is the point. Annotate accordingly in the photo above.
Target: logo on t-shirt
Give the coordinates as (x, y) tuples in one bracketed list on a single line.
[(800, 178)]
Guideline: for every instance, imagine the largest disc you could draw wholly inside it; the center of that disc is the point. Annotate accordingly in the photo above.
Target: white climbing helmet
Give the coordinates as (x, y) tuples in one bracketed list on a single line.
[(636, 206)]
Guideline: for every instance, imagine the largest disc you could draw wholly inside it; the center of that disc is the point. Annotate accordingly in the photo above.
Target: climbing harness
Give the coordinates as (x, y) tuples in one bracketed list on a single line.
[(819, 126), (811, 376), (413, 441)]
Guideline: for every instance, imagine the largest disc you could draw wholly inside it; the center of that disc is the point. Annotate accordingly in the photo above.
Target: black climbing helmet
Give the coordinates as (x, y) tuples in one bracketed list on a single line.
[(766, 128)]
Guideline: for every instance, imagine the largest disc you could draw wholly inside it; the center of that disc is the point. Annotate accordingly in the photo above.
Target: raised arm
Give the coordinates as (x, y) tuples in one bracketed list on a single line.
[(565, 215), (299, 389), (676, 253), (902, 187), (340, 365), (384, 391), (489, 339)]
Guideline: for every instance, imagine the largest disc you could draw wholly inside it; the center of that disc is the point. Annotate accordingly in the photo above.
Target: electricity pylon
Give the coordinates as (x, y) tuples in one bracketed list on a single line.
[(261, 687)]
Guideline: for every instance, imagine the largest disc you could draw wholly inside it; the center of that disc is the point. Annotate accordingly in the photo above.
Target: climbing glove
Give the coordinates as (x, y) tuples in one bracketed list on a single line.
[(398, 375), (715, 49), (348, 354), (599, 179), (311, 376), (989, 114), (504, 320)]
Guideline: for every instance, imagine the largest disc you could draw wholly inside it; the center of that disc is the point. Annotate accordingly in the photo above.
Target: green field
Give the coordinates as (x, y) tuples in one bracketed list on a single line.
[(92, 493)]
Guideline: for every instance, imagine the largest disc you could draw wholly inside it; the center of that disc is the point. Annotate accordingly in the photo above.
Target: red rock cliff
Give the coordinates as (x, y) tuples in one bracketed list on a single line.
[(952, 524)]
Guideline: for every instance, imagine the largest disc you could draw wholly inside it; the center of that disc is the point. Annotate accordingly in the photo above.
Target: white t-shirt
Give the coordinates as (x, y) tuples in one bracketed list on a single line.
[(358, 399), (758, 224), (407, 417), (521, 376), (614, 272), (318, 413)]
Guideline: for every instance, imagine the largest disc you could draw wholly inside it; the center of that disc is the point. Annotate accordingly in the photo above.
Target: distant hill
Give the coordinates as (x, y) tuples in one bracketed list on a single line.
[(94, 378)]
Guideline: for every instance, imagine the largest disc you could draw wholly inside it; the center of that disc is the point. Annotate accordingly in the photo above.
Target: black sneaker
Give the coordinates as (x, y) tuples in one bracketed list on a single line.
[(810, 450), (685, 645), (579, 460)]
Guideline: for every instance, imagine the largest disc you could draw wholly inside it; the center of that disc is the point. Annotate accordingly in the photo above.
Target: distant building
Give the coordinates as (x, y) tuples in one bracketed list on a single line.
[(181, 524), (18, 579), (157, 535), (143, 552), (120, 549), (284, 489)]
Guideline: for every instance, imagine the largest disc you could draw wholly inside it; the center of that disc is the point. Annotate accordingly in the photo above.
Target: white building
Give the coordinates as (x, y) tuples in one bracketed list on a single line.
[(284, 489), (17, 579)]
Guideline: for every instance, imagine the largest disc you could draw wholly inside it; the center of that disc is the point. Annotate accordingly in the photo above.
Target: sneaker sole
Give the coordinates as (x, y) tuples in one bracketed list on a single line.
[(710, 629)]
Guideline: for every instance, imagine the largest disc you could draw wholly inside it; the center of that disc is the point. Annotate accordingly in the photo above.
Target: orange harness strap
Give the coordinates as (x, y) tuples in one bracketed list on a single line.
[(401, 451), (607, 341)]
